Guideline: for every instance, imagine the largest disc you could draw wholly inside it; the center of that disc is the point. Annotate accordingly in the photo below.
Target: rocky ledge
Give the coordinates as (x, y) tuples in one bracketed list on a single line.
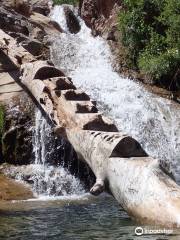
[(11, 190)]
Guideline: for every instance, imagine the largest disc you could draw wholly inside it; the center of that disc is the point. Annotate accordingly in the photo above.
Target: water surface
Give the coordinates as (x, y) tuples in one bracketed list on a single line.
[(69, 219)]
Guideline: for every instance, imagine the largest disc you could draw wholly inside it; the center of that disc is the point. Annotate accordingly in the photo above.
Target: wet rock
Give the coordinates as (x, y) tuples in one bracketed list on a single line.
[(72, 21), (11, 190), (17, 134)]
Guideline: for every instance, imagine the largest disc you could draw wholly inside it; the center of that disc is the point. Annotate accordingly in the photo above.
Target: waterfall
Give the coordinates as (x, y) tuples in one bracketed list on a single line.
[(51, 180), (152, 120), (47, 180), (41, 129)]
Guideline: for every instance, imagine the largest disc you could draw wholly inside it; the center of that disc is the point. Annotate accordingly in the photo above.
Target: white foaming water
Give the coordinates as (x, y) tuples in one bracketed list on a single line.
[(152, 120), (50, 180), (39, 135), (47, 182)]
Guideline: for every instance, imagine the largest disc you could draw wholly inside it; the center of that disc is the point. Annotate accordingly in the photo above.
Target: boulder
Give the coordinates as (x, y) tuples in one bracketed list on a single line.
[(11, 190), (71, 20)]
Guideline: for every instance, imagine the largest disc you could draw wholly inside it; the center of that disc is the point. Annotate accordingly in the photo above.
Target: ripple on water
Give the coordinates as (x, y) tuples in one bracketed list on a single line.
[(93, 218)]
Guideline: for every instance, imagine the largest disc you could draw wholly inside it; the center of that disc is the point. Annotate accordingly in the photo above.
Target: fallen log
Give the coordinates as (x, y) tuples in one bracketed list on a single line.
[(118, 161), (16, 53)]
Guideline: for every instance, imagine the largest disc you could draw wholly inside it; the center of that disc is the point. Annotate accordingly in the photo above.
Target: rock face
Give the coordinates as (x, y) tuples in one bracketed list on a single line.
[(18, 131), (101, 16)]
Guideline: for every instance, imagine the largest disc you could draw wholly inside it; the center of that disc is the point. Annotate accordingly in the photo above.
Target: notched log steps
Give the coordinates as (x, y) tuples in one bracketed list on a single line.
[(134, 179)]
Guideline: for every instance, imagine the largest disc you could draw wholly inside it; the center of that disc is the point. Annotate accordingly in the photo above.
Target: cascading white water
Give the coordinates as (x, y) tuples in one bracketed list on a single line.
[(46, 180), (40, 132), (50, 180), (152, 120)]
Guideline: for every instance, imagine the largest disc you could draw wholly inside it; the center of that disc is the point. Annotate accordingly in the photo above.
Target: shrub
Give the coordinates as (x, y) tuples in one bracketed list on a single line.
[(150, 31), (58, 2)]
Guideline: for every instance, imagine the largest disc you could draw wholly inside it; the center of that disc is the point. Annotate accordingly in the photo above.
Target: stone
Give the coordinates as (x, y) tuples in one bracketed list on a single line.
[(72, 21), (22, 6), (18, 130), (41, 6), (100, 16), (11, 190), (45, 23)]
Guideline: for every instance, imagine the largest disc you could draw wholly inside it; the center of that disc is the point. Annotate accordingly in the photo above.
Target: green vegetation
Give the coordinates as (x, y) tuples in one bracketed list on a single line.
[(150, 31), (58, 2)]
